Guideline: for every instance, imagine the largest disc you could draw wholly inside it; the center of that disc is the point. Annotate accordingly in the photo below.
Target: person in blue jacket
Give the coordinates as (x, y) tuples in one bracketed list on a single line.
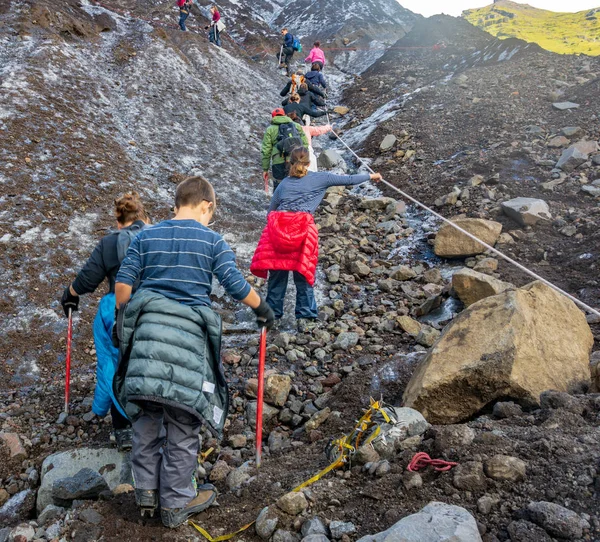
[(287, 51), (315, 77), (104, 263)]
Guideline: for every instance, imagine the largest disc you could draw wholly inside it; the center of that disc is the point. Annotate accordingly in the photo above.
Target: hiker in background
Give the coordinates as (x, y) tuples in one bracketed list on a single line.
[(170, 376), (290, 241), (296, 81), (287, 51), (310, 132), (214, 35), (103, 264), (315, 77), (300, 109), (185, 6), (316, 55), (280, 138)]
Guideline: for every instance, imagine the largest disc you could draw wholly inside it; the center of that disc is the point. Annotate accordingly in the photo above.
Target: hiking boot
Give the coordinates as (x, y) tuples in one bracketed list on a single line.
[(174, 517), (147, 500), (124, 439), (306, 325)]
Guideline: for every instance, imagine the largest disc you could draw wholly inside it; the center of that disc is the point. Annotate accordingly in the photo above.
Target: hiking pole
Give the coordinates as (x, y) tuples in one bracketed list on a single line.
[(68, 361), (280, 55), (262, 353)]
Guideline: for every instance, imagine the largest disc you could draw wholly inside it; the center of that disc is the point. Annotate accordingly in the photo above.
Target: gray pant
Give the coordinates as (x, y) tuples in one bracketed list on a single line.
[(166, 464)]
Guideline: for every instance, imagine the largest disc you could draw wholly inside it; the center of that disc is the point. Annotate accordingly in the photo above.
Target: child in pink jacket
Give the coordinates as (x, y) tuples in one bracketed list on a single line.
[(316, 55)]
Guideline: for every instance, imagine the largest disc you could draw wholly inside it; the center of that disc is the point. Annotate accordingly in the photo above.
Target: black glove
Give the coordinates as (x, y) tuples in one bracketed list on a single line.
[(69, 301), (265, 317), (115, 334)]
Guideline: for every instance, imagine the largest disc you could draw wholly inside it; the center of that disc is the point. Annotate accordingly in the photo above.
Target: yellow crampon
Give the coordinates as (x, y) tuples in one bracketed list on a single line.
[(346, 450)]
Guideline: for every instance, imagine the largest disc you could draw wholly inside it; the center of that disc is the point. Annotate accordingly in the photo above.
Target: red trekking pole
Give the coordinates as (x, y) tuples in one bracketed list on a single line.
[(262, 353), (68, 362)]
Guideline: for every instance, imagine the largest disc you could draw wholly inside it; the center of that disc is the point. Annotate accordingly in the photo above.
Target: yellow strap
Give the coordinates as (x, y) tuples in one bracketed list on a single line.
[(204, 455), (218, 538), (337, 463)]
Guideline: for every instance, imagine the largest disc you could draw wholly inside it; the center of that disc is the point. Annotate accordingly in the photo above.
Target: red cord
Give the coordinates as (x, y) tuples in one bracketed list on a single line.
[(422, 460)]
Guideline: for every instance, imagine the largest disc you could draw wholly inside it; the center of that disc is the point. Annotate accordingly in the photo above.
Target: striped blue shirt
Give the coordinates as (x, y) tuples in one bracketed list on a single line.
[(178, 258)]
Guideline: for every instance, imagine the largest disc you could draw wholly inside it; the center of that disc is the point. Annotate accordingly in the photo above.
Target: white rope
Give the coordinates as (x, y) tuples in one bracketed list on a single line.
[(470, 235)]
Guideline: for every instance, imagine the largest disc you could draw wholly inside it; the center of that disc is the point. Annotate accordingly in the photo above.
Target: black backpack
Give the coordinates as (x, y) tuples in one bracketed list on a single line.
[(288, 138)]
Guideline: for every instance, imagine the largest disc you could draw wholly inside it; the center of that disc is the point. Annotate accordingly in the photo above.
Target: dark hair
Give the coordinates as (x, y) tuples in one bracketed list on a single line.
[(316, 67), (129, 208), (193, 191), (295, 98), (317, 44), (303, 87), (294, 116), (299, 162)]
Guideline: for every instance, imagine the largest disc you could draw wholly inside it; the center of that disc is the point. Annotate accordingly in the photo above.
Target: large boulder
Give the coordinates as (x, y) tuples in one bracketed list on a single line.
[(451, 243), (526, 211), (516, 344), (437, 522), (114, 466), (472, 286), (329, 159)]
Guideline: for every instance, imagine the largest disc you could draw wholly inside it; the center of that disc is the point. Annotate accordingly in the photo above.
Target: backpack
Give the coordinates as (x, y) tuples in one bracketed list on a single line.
[(124, 238), (296, 45), (288, 139)]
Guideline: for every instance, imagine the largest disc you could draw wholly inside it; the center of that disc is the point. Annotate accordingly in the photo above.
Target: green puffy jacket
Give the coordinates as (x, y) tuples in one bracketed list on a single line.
[(269, 151), (170, 354)]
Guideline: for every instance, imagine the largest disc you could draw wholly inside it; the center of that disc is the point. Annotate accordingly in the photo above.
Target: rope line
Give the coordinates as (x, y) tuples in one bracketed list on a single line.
[(581, 304)]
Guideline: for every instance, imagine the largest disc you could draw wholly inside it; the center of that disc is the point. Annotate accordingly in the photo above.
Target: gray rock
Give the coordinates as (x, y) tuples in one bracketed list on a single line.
[(571, 159), (556, 520), (405, 423), (360, 268), (346, 340), (388, 142), (524, 531), (437, 522), (4, 534), (236, 478), (333, 273), (469, 476), (89, 515), (563, 106), (269, 413), (526, 211), (114, 466), (278, 441), (591, 190), (315, 538), (341, 528), (313, 526), (54, 530), (412, 480), (507, 409), (596, 159), (402, 272), (22, 533), (453, 436), (85, 484), (329, 159), (485, 504), (18, 507), (50, 513), (505, 468), (61, 418), (266, 523), (377, 204), (572, 131), (285, 536)]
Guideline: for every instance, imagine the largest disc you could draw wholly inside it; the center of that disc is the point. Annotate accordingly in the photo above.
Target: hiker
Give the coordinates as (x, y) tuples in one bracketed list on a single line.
[(103, 264), (287, 51), (296, 81), (316, 55), (307, 98), (185, 6), (280, 138), (312, 131), (214, 36), (170, 376), (295, 105), (290, 240), (315, 77)]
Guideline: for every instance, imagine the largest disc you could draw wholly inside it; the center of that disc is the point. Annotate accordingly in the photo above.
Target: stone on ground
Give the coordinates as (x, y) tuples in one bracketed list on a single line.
[(329, 159), (471, 286), (526, 211), (114, 466), (269, 413), (388, 142), (451, 243), (556, 519), (571, 159), (266, 523), (341, 528), (505, 468), (277, 389), (437, 522), (341, 109), (85, 484), (293, 503), (15, 446), (513, 345), (404, 423), (564, 106)]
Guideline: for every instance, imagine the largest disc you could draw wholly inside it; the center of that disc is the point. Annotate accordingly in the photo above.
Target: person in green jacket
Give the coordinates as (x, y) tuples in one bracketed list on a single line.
[(272, 155)]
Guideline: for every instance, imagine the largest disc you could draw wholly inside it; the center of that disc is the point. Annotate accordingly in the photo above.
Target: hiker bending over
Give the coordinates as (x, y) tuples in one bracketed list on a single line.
[(315, 77), (170, 375), (290, 240), (103, 264), (281, 137), (287, 51), (296, 81), (295, 105), (185, 6), (316, 55), (312, 131), (307, 98), (214, 35)]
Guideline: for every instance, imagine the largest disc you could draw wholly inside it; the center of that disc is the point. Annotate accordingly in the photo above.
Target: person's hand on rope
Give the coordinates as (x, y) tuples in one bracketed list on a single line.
[(69, 301), (265, 317), (376, 177)]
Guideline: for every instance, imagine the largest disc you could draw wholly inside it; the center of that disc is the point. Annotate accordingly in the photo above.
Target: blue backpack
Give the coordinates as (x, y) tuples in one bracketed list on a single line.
[(296, 45)]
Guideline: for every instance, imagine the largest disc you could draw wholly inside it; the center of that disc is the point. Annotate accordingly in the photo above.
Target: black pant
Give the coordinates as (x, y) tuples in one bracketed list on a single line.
[(118, 420), (288, 53)]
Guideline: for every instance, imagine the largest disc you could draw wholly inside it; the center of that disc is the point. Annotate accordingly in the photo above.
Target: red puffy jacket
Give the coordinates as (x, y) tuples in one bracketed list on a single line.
[(290, 242)]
